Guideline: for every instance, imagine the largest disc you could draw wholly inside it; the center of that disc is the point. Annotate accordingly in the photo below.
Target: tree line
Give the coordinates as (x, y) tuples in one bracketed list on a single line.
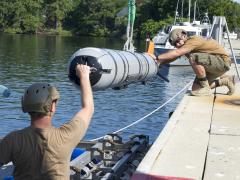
[(101, 17)]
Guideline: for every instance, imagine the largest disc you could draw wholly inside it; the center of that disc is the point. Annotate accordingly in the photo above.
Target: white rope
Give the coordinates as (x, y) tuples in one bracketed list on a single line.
[(128, 46), (139, 120)]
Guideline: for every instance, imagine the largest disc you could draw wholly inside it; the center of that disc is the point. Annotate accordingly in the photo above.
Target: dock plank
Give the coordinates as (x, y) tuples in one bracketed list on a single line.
[(226, 113), (223, 158), (184, 154)]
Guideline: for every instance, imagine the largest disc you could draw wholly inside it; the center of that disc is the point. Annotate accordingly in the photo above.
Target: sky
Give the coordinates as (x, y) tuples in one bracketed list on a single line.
[(237, 1)]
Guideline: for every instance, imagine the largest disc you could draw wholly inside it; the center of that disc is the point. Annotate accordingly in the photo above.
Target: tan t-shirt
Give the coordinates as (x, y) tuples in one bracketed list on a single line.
[(199, 45), (42, 153)]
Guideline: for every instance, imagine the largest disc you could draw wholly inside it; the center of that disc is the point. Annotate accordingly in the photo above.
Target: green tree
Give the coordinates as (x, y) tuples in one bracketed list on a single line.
[(20, 15), (152, 15), (226, 8), (56, 11), (3, 14), (151, 27), (96, 18), (99, 18)]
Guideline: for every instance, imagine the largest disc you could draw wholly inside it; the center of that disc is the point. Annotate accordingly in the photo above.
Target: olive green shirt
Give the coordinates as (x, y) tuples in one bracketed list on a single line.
[(42, 153), (199, 45)]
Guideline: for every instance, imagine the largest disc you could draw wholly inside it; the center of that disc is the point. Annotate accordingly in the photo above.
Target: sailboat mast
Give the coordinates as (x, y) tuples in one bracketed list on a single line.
[(176, 13), (189, 11), (194, 12), (182, 11)]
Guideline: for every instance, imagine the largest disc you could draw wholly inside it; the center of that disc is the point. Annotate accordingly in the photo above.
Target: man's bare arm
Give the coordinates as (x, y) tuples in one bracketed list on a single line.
[(172, 55), (87, 110)]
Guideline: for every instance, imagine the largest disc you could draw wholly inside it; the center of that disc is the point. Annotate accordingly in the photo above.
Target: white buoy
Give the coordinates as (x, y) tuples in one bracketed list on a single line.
[(4, 91)]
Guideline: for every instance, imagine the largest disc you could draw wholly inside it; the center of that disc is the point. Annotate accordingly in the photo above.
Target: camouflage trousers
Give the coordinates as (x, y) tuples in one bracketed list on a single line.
[(214, 65)]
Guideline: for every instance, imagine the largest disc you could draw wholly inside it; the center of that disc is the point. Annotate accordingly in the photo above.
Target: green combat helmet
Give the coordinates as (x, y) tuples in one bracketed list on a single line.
[(38, 98), (175, 35)]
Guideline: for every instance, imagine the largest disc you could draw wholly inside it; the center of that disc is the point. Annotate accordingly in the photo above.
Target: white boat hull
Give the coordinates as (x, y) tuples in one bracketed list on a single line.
[(181, 61)]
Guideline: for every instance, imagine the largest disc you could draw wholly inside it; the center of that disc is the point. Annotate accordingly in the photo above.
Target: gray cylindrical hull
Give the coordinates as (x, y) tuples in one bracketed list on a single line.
[(113, 68)]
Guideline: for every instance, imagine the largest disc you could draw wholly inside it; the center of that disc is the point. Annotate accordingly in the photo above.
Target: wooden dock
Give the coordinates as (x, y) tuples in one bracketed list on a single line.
[(200, 141)]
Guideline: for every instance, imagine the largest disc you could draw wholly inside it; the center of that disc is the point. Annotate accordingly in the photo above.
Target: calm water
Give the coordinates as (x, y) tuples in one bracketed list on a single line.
[(26, 59)]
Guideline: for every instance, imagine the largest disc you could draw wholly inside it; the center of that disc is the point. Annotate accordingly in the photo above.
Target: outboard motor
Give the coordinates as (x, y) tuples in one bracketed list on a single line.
[(112, 68)]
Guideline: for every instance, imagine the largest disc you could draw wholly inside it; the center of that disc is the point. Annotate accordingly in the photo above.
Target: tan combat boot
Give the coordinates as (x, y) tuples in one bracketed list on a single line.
[(205, 89), (229, 82)]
